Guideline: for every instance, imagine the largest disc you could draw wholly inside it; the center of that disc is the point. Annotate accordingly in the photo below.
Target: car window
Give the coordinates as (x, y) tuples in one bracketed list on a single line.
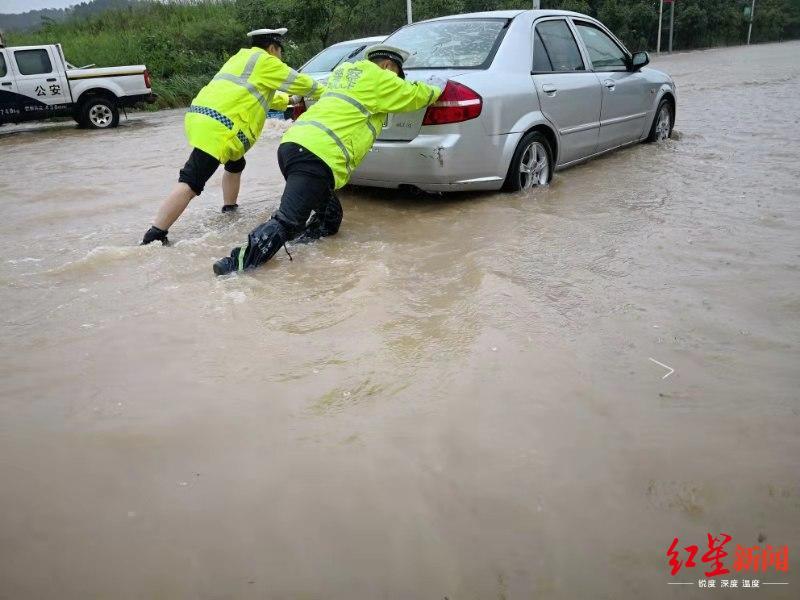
[(3, 68), (327, 60), (33, 62), (603, 51), (541, 62), (560, 46), (449, 43)]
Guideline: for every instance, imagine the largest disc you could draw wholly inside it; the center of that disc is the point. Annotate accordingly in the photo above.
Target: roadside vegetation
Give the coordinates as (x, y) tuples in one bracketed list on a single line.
[(184, 43)]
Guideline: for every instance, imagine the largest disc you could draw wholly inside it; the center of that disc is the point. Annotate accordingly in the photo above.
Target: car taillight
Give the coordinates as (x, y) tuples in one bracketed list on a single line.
[(147, 82), (298, 110), (457, 103)]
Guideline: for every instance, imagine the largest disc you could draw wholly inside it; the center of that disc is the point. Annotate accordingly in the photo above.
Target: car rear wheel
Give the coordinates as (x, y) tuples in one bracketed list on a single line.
[(100, 113), (532, 164), (661, 129)]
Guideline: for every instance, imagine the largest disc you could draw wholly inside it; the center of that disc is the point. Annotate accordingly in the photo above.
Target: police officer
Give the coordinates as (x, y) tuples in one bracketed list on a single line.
[(225, 120), (320, 151)]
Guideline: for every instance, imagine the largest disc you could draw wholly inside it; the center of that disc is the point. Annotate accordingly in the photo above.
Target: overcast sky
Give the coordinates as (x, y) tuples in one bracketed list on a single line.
[(18, 6)]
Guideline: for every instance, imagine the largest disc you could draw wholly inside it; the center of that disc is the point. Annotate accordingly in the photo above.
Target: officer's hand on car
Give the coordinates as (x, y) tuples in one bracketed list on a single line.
[(437, 80)]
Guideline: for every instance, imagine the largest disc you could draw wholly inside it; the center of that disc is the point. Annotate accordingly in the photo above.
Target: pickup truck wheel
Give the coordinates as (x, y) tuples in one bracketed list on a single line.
[(100, 113)]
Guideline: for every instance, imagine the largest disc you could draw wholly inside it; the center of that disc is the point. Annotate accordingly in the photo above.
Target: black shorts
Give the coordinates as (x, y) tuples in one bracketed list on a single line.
[(201, 166)]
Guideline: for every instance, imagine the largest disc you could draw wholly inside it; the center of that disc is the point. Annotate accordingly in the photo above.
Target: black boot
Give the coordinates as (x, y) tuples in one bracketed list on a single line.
[(229, 207), (313, 231), (153, 234), (323, 223), (262, 244), (226, 265)]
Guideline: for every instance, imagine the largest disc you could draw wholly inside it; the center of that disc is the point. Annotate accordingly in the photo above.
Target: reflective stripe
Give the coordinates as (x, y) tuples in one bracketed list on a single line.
[(284, 87), (228, 77), (314, 88), (242, 252), (355, 103), (270, 96), (247, 85), (250, 66), (242, 81), (334, 137), (217, 116), (372, 130), (210, 112), (349, 100), (243, 138)]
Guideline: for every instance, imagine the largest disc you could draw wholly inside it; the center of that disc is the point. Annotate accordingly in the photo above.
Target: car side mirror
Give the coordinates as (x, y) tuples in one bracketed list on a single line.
[(639, 60)]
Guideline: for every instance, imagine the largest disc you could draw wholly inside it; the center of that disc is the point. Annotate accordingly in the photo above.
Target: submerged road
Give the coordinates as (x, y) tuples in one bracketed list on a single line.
[(454, 398)]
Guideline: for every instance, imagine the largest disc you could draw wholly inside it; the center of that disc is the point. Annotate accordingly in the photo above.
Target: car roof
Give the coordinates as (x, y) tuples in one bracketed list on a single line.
[(506, 14), (374, 38)]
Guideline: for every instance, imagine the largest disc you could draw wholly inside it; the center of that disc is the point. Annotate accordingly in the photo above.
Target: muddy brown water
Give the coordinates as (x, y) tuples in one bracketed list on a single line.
[(453, 398)]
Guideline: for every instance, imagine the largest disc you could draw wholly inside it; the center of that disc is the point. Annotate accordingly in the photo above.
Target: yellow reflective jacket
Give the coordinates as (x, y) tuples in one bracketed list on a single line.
[(227, 115), (342, 127)]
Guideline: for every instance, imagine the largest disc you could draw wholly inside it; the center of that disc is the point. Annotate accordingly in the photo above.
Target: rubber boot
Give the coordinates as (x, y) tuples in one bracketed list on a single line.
[(324, 223), (262, 244), (226, 265), (229, 207), (153, 234), (313, 231)]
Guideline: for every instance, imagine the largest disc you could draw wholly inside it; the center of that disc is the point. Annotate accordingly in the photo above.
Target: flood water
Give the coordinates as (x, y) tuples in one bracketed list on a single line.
[(452, 398)]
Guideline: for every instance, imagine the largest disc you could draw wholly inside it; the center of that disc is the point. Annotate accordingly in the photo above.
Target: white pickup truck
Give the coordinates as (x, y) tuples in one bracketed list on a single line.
[(36, 82)]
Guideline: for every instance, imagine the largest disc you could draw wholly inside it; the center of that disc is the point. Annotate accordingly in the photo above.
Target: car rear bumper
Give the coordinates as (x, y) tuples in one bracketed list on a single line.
[(436, 162)]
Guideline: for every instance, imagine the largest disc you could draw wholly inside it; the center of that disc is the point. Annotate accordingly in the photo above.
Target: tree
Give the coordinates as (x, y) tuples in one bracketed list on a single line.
[(581, 6), (771, 19)]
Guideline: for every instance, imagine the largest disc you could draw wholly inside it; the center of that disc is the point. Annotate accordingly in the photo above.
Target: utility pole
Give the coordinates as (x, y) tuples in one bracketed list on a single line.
[(537, 4), (660, 14), (750, 27), (671, 22), (408, 11)]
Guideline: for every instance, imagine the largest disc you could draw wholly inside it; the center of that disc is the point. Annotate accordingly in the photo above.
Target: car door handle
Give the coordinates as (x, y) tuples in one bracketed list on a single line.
[(52, 79), (549, 89), (610, 84), (6, 83)]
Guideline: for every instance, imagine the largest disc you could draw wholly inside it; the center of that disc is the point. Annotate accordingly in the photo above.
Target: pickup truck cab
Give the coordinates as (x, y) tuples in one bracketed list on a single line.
[(36, 82)]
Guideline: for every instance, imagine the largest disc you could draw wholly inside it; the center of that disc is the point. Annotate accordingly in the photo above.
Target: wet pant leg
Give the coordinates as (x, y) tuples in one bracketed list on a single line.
[(309, 187)]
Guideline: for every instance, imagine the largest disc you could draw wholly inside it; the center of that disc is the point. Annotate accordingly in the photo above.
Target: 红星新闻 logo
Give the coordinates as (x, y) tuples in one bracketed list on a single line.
[(748, 561)]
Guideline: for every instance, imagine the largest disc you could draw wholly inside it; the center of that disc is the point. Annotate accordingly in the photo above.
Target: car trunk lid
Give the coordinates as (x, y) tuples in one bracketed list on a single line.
[(404, 127)]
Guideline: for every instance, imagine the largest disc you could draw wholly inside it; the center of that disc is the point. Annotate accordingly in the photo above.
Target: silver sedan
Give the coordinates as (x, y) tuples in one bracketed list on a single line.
[(527, 93)]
